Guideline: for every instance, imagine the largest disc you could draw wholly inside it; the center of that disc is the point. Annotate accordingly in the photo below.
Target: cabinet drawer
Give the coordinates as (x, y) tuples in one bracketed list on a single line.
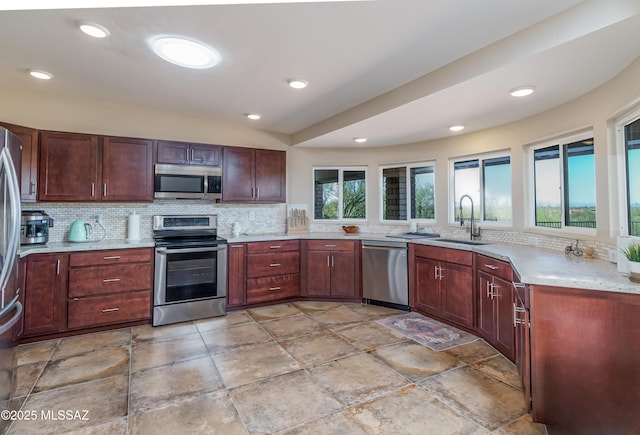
[(282, 263), (444, 254), (78, 259), (105, 310), (99, 280), (269, 289), (274, 246), (330, 245), (494, 267)]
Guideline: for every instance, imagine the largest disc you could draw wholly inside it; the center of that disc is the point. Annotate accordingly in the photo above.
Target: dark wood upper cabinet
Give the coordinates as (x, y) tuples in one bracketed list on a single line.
[(253, 175), (127, 169), (78, 167), (29, 177), (68, 169), (183, 153)]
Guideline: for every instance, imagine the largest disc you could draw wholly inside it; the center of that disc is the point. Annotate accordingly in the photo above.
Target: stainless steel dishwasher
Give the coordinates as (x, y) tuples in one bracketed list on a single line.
[(384, 273)]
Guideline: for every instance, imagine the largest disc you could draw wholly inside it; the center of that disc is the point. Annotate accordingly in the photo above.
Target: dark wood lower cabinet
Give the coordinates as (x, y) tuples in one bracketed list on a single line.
[(332, 269), (443, 289), (45, 294), (236, 280), (81, 290), (585, 360)]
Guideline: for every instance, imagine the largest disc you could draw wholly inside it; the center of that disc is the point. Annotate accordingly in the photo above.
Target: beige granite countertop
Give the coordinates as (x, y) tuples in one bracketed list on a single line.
[(533, 265), (92, 245)]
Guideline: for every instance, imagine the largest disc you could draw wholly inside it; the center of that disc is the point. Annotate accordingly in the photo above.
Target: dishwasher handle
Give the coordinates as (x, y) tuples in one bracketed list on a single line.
[(383, 248), (386, 244)]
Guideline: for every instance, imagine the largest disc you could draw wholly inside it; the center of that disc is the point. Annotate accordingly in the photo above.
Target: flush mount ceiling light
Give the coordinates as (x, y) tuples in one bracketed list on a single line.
[(40, 74), (360, 139), (456, 128), (95, 30), (522, 91), (253, 116), (185, 52), (297, 83)]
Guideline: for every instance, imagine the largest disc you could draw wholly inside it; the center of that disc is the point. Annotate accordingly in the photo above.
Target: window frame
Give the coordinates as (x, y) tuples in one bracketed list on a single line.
[(623, 170), (479, 210), (408, 167), (341, 170), (530, 204)]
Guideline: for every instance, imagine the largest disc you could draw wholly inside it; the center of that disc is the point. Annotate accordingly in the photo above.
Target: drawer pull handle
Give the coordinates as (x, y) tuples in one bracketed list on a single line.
[(272, 289), (275, 265), (112, 257), (275, 247), (491, 266), (111, 280), (109, 310), (329, 246)]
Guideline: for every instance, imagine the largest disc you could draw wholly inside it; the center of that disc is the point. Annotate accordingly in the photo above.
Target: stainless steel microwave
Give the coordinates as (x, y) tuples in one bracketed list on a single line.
[(187, 182)]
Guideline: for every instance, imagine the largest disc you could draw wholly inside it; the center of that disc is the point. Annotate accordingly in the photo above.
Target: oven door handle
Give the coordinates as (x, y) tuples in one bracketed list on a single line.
[(163, 251)]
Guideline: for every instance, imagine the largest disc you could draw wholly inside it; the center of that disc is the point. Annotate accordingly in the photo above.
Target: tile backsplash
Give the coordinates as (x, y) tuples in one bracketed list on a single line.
[(257, 219), (254, 218)]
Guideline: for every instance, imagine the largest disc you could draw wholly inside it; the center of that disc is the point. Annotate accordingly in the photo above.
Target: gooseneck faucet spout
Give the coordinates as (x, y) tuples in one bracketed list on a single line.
[(472, 229)]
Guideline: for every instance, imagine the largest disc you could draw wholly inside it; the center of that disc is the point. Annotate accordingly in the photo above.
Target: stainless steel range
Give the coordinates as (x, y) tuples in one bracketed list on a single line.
[(190, 269)]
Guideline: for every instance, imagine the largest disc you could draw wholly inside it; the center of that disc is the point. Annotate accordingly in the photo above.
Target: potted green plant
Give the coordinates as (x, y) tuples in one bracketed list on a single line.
[(632, 252)]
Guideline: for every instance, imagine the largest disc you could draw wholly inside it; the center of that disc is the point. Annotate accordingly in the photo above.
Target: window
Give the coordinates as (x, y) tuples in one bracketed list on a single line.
[(565, 185), (632, 159), (339, 193), (487, 180), (408, 192)]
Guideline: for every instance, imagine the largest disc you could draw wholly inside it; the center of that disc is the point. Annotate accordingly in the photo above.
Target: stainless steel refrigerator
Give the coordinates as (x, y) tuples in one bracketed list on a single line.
[(11, 315)]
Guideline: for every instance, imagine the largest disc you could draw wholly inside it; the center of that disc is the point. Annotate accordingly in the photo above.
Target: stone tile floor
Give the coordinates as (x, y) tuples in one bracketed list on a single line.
[(299, 368)]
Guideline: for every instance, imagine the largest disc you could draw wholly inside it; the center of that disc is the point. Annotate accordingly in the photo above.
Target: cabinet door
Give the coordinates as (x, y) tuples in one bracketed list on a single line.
[(238, 174), (427, 292), (45, 294), (486, 322), (236, 292), (318, 273), (270, 176), (127, 169), (457, 293), (29, 139), (343, 270), (68, 169), (173, 152), (504, 312), (206, 155)]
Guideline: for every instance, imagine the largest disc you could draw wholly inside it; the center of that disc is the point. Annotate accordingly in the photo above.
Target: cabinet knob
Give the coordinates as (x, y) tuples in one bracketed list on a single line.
[(491, 266), (272, 289), (106, 281), (275, 265)]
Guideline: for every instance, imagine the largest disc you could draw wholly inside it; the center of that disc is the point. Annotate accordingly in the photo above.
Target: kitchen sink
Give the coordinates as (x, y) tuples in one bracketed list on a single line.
[(462, 242)]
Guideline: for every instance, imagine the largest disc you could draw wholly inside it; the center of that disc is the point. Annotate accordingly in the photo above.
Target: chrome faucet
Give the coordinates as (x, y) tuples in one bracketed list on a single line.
[(473, 231)]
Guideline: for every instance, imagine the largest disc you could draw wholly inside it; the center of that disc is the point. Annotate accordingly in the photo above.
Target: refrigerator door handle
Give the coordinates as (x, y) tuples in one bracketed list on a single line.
[(10, 324), (14, 230), (9, 307)]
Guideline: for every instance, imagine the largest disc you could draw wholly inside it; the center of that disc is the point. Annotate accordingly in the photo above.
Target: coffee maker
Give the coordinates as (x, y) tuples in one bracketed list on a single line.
[(34, 228)]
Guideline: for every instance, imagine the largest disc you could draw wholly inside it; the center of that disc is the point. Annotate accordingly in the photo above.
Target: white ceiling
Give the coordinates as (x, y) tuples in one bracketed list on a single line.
[(395, 71)]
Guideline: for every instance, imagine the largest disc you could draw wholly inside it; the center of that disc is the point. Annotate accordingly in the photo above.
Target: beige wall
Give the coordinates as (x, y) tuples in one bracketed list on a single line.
[(51, 112), (593, 110)]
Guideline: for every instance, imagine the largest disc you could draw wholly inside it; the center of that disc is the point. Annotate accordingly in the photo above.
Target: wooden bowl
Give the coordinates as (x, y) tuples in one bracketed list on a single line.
[(350, 229)]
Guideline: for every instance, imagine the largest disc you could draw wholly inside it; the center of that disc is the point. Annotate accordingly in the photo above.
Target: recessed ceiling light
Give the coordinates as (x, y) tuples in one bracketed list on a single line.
[(254, 116), (185, 52), (360, 139), (39, 74), (297, 83), (95, 30), (456, 128), (522, 91)]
